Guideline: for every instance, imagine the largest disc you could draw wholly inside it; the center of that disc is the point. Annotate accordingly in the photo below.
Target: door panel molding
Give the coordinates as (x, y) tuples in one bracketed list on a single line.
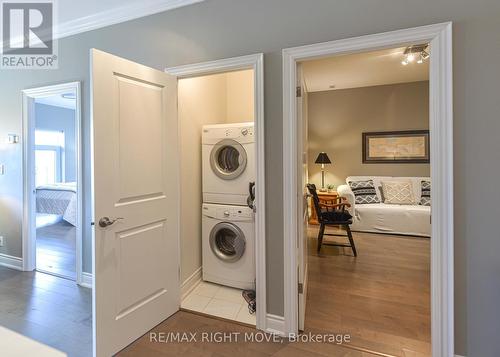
[(135, 261)]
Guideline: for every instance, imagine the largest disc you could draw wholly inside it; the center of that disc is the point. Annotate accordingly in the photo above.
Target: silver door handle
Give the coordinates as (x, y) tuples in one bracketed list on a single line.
[(106, 221)]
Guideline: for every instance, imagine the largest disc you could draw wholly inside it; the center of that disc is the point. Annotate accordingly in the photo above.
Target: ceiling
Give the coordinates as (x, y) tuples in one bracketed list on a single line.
[(362, 70), (57, 101)]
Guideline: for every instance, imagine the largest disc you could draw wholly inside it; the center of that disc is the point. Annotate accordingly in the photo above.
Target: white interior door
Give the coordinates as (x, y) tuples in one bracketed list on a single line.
[(136, 261), (302, 179)]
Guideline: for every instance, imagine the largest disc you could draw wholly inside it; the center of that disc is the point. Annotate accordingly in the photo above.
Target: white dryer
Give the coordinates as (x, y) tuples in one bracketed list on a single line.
[(228, 245), (228, 160)]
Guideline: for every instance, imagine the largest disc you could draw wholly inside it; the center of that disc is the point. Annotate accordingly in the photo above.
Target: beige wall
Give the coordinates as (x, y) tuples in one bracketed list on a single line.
[(337, 119), (240, 96), (215, 99)]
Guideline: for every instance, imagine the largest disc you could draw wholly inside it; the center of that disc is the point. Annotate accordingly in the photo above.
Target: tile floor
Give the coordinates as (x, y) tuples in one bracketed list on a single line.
[(218, 300)]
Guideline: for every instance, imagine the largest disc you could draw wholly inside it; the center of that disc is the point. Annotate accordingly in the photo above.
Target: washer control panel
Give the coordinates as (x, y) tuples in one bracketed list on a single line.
[(229, 213)]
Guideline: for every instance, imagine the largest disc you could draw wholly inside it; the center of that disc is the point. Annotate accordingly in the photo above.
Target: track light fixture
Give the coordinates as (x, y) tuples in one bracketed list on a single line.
[(416, 53)]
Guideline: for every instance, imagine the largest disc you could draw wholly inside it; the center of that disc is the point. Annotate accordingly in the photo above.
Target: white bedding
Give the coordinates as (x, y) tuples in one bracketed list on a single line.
[(59, 199)]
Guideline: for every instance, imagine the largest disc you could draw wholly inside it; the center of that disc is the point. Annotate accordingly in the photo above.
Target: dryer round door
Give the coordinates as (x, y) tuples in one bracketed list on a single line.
[(228, 159), (227, 242)]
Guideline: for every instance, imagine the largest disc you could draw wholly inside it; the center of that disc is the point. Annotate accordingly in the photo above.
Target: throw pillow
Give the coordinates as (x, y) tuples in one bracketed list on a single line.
[(425, 199), (398, 192), (364, 192)]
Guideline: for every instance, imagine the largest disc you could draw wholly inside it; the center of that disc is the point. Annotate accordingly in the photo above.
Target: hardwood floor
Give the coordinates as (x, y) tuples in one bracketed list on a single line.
[(187, 322), (381, 298), (48, 309), (56, 249)]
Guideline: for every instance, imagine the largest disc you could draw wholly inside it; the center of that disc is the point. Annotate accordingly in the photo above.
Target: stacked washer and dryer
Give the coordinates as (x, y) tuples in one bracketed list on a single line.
[(228, 228)]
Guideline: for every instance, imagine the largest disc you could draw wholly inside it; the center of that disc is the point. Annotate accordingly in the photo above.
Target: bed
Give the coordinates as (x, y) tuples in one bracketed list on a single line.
[(59, 199)]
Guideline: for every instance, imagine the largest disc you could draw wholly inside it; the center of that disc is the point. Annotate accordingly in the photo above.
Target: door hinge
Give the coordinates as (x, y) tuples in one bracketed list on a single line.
[(301, 288), (299, 92)]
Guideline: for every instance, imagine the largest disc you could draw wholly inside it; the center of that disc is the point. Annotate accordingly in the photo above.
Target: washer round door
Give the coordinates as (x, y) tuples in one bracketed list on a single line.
[(227, 242), (228, 159)]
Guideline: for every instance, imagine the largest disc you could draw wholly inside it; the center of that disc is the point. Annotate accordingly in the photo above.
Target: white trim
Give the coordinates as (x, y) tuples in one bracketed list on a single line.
[(11, 262), (118, 15), (275, 324), (217, 66), (191, 283), (304, 289), (86, 280), (441, 126), (255, 62), (29, 243)]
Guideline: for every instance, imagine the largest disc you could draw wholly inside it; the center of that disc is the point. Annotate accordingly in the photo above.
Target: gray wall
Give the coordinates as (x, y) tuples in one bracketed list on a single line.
[(337, 119), (49, 117), (223, 28)]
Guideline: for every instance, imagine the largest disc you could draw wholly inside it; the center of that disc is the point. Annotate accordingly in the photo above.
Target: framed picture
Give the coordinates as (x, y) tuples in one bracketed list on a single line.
[(410, 146)]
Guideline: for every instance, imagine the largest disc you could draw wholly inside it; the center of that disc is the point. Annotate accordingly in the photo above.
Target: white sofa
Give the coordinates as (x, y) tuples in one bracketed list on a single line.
[(411, 220)]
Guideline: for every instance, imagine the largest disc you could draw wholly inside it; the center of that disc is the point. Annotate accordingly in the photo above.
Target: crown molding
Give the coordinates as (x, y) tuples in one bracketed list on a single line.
[(118, 15)]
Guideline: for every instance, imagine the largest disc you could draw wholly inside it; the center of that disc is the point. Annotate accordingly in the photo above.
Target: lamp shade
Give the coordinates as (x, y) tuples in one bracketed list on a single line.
[(322, 159)]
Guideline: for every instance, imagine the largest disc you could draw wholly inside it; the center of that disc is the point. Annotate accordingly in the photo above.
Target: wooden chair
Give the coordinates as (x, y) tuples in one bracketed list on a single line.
[(332, 212)]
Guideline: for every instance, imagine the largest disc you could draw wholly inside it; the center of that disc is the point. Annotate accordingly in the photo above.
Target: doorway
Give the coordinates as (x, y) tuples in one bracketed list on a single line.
[(439, 38), (372, 161), (222, 256), (52, 242), (217, 167)]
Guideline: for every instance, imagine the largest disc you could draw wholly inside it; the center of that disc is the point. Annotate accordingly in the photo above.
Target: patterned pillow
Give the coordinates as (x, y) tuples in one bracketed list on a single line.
[(364, 192), (425, 199), (398, 192)]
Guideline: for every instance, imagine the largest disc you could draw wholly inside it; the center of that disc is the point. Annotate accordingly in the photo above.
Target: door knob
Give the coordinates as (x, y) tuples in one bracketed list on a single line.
[(106, 221)]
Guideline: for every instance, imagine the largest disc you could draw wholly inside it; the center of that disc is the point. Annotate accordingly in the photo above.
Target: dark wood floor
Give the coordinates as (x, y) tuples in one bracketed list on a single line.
[(382, 297), (188, 322), (49, 309), (56, 249)]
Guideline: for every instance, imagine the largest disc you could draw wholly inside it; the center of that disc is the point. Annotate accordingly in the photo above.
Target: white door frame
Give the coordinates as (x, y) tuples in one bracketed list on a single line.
[(255, 62), (441, 146), (29, 202)]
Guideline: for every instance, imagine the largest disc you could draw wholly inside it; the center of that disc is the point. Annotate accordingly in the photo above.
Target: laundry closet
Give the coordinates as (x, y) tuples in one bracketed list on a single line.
[(217, 227)]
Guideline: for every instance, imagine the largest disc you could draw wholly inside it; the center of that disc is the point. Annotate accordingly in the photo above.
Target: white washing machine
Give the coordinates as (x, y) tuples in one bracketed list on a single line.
[(228, 160), (228, 245)]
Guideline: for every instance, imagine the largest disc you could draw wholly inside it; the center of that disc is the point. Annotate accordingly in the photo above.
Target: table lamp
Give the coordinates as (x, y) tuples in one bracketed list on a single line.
[(322, 159)]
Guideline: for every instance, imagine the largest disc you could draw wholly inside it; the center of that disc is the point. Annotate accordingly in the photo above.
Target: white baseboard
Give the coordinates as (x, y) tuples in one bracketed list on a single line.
[(86, 280), (190, 283), (459, 356), (275, 324), (9, 261)]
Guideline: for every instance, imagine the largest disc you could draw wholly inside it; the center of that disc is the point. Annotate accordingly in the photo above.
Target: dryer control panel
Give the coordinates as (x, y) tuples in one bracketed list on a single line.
[(228, 133), (241, 132)]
